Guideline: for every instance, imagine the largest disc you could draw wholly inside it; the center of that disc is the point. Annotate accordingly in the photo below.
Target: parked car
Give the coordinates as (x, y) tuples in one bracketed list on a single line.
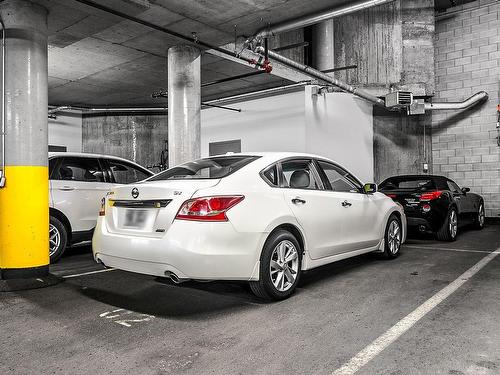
[(435, 204), (260, 217), (78, 182)]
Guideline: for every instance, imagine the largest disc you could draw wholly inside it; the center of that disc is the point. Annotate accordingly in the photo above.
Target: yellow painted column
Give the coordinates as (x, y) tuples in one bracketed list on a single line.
[(24, 206)]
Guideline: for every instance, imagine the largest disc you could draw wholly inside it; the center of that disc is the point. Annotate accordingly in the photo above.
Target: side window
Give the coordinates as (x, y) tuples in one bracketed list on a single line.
[(337, 178), (453, 187), (52, 167), (125, 173), (297, 174), (79, 169), (270, 175)]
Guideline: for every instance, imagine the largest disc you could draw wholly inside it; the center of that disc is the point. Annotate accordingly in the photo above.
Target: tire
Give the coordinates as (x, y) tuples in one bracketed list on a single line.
[(58, 238), (479, 219), (392, 238), (277, 278), (449, 229)]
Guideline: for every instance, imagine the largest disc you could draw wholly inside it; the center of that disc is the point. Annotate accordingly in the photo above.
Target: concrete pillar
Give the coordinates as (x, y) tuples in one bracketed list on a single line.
[(24, 212), (184, 104), (323, 57)]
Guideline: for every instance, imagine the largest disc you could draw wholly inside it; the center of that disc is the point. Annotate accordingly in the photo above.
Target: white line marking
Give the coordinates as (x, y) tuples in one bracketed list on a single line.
[(450, 249), (393, 333), (88, 273)]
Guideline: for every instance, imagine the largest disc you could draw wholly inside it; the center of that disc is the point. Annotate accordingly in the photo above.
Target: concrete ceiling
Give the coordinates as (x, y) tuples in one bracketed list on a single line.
[(99, 59)]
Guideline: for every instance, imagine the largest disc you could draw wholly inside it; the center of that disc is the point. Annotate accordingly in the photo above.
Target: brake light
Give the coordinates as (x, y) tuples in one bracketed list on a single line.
[(430, 196), (391, 195), (102, 210), (208, 208)]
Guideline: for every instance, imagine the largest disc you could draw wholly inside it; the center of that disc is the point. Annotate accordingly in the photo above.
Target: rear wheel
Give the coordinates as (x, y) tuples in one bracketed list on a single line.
[(449, 229), (393, 238), (58, 238), (479, 220), (280, 265)]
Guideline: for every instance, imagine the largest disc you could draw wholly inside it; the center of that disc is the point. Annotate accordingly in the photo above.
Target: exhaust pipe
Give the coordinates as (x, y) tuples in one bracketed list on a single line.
[(172, 276)]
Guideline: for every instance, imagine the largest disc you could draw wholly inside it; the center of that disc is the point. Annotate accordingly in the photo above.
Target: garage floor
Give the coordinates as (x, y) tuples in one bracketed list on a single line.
[(118, 322)]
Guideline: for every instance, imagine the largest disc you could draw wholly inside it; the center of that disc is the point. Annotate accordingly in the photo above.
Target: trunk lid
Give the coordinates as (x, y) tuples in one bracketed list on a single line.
[(410, 200), (148, 209)]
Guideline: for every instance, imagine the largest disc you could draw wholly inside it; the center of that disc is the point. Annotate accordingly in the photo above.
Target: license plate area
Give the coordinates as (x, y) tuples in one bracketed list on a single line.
[(134, 218)]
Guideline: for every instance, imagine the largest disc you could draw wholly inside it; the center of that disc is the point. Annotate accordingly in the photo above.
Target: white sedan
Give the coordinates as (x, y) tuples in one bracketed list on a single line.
[(260, 217)]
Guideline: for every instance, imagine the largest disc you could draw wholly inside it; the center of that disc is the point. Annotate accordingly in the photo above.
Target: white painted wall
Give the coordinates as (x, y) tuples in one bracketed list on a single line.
[(339, 126), (335, 125), (66, 131), (275, 123)]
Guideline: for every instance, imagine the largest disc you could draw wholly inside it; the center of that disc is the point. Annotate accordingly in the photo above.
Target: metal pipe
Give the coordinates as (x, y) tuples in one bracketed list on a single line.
[(312, 19), (322, 76), (467, 103), (167, 31), (3, 104)]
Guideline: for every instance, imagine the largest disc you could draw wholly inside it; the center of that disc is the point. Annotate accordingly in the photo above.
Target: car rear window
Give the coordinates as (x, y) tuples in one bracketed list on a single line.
[(205, 169), (408, 183)]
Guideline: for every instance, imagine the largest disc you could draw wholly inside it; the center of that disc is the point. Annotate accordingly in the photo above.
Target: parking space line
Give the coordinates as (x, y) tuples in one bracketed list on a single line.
[(88, 273), (450, 249), (391, 335)]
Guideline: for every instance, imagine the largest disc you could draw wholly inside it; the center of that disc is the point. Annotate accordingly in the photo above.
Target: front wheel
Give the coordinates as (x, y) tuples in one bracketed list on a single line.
[(393, 238), (280, 265), (479, 220), (449, 229), (58, 238)]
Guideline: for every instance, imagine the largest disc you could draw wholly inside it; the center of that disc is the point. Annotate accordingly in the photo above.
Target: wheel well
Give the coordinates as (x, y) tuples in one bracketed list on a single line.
[(398, 215), (63, 219), (293, 230)]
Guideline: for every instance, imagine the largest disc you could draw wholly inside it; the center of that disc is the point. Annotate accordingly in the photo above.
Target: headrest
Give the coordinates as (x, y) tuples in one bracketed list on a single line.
[(300, 179)]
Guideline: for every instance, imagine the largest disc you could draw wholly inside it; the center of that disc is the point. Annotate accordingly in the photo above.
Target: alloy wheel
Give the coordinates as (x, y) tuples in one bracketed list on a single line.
[(453, 225), (394, 236), (54, 239), (480, 216), (284, 265)]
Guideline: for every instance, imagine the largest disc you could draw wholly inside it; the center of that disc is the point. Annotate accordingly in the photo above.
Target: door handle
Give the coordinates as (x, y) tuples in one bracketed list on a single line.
[(66, 188), (346, 204), (298, 200)]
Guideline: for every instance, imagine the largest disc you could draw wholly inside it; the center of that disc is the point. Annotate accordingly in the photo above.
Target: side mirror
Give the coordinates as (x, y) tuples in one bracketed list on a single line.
[(465, 190), (370, 188)]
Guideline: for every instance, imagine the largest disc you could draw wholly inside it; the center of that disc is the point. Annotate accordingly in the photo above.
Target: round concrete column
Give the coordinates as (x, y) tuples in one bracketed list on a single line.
[(184, 104), (323, 57), (24, 212)]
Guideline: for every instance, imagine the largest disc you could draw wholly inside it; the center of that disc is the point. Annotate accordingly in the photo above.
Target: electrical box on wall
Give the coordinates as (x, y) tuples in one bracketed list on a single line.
[(398, 99)]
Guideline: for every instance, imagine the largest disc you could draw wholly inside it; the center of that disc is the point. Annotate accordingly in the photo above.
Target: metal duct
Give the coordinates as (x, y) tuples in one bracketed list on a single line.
[(467, 103), (353, 6), (322, 76)]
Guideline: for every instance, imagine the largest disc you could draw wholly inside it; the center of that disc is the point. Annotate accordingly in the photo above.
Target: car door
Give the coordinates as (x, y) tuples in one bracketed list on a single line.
[(122, 172), (77, 186), (464, 204), (316, 210), (360, 212)]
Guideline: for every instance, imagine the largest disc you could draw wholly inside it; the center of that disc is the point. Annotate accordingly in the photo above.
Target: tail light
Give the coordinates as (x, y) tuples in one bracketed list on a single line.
[(208, 208), (391, 195), (430, 196), (102, 210)]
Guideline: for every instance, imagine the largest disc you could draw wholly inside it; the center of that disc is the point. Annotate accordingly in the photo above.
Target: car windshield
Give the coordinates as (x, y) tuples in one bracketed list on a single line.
[(203, 169), (408, 183)]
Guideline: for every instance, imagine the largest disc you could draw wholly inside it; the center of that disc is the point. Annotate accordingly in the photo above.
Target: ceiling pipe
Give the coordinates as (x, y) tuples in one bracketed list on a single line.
[(193, 39), (321, 76), (311, 19), (467, 103)]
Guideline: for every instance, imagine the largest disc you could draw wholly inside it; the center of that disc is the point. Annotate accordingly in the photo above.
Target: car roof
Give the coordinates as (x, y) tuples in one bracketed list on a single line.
[(90, 155), (273, 155)]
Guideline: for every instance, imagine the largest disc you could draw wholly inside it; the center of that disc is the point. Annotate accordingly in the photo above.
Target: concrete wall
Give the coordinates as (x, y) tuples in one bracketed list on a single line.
[(334, 125), (468, 60), (66, 131), (140, 138), (393, 46)]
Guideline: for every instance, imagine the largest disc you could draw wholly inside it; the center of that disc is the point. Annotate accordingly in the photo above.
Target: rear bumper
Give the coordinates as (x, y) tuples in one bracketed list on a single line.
[(191, 250), (429, 222)]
